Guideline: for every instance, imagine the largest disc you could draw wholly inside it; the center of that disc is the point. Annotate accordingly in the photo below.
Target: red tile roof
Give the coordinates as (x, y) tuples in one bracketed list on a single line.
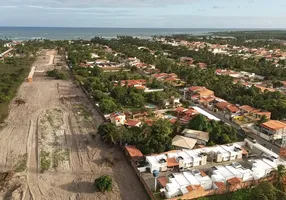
[(220, 185), (195, 88), (181, 109), (246, 108), (172, 162), (171, 79), (234, 181), (132, 122), (222, 105), (173, 120), (163, 181), (133, 151), (274, 125), (232, 108), (191, 112)]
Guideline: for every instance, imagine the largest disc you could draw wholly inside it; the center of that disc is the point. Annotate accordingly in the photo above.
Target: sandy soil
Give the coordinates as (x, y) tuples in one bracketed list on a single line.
[(48, 140)]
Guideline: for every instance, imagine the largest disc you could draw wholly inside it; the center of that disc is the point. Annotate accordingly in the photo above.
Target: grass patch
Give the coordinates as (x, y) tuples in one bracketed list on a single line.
[(21, 165), (45, 161), (82, 111), (158, 196), (4, 111), (59, 156)]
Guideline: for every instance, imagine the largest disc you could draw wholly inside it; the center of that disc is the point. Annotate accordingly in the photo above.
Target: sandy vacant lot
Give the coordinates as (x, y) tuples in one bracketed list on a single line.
[(51, 143)]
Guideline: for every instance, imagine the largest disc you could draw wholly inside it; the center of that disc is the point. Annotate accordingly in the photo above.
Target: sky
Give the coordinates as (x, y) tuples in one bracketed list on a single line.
[(144, 13)]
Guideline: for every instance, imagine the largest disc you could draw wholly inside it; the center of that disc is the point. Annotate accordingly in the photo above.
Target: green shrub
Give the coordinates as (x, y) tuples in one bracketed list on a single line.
[(103, 183)]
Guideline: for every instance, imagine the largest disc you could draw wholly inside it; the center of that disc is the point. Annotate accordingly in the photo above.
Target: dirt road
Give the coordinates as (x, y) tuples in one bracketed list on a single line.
[(51, 142)]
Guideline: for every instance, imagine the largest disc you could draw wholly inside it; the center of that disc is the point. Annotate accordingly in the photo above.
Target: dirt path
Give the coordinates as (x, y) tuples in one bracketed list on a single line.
[(48, 140)]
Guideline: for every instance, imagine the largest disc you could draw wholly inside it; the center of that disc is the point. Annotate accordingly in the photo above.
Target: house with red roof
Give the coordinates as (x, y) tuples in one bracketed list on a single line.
[(184, 115), (198, 92), (132, 123), (133, 153), (117, 118)]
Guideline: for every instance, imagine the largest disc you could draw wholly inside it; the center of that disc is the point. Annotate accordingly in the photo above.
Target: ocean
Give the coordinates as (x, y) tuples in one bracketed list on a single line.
[(27, 33)]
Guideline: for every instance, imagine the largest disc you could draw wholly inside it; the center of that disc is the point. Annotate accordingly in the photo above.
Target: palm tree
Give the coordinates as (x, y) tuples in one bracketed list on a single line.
[(262, 120), (108, 133), (280, 177)]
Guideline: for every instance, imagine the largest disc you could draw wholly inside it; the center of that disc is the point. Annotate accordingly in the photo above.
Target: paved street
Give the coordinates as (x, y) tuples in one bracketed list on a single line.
[(259, 140)]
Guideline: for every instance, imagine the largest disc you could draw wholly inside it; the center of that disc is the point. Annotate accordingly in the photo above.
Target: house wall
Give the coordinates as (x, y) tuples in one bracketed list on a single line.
[(225, 189)]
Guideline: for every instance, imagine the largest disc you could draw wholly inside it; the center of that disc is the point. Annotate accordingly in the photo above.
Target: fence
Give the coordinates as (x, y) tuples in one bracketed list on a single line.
[(147, 189), (88, 96)]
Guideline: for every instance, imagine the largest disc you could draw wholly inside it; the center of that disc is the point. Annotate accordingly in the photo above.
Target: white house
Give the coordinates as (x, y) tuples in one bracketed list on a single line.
[(117, 118), (158, 162)]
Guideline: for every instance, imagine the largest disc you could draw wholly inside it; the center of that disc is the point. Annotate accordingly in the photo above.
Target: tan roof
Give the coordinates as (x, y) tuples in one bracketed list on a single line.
[(200, 135), (274, 125), (184, 142)]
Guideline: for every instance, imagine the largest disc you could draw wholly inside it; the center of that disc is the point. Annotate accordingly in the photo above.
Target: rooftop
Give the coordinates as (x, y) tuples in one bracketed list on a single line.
[(234, 181), (133, 151), (246, 108), (201, 135), (184, 142), (274, 125), (222, 105), (132, 122), (172, 162)]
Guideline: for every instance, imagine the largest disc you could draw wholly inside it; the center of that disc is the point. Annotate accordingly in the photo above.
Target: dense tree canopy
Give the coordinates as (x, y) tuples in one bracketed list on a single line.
[(219, 132), (149, 139), (275, 102)]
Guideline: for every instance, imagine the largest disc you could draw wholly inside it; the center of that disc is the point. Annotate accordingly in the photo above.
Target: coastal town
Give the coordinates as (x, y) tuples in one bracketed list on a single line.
[(170, 117)]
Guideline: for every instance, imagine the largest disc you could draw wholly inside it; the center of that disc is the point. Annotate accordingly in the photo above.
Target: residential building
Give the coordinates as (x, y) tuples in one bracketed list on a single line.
[(273, 129), (172, 102), (201, 136), (181, 142), (117, 118), (132, 123), (219, 179), (133, 153), (259, 113), (198, 92), (158, 162)]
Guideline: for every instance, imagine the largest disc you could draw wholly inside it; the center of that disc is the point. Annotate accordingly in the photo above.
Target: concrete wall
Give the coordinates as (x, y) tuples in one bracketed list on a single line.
[(200, 192)]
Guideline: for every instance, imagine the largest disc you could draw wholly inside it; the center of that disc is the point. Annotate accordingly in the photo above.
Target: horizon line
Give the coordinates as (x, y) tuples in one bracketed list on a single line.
[(262, 28)]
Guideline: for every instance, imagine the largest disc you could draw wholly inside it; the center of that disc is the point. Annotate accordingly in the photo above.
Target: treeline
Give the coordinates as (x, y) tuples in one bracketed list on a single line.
[(261, 66), (248, 35), (240, 41), (13, 72), (275, 102), (149, 139)]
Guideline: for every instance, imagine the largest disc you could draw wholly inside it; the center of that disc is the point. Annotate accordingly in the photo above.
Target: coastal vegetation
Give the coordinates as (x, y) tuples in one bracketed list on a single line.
[(12, 73)]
